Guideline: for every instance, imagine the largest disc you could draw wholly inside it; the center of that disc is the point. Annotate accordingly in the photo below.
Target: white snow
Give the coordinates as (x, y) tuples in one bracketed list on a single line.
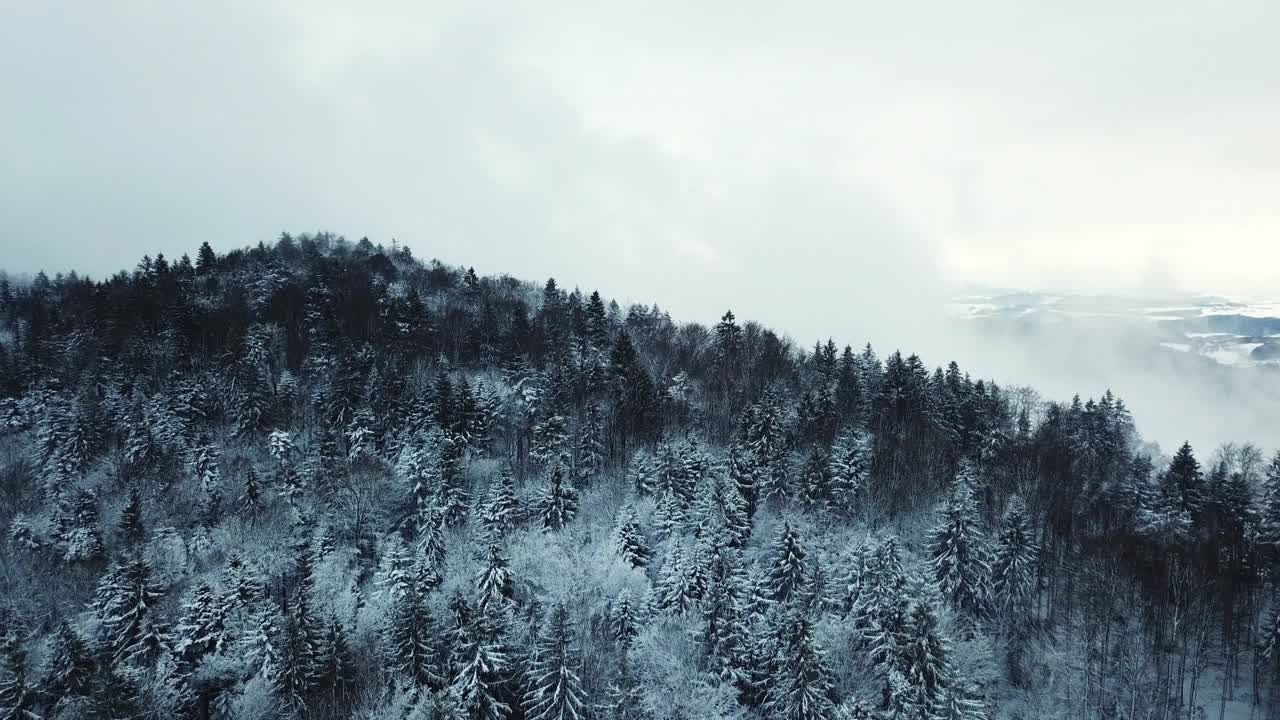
[(1232, 354), (1180, 347)]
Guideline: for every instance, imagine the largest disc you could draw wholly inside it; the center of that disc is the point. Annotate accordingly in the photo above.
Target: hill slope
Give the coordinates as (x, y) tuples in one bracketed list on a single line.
[(325, 479)]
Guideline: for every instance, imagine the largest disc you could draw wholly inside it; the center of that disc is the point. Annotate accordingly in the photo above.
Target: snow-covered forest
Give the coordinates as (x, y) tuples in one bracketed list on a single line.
[(325, 479)]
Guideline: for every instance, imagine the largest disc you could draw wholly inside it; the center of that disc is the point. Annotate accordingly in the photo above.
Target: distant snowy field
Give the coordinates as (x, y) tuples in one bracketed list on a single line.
[(1233, 332)]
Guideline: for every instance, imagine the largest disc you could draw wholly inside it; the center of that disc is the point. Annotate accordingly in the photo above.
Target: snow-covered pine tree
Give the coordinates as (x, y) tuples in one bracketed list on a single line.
[(69, 667), (816, 481), (850, 470), (959, 550), (18, 695), (1269, 514), (410, 641), (591, 449), (676, 591), (77, 530), (556, 689), (766, 439), (131, 529), (624, 619), (802, 689), (624, 697), (1013, 571), (724, 635), (741, 473), (454, 498), (476, 692), (559, 502), (790, 568), (500, 511), (127, 597), (202, 629), (250, 500), (640, 473), (494, 582), (630, 538)]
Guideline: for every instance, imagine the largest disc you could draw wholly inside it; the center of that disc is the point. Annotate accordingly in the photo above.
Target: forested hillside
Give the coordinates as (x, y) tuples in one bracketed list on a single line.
[(325, 479)]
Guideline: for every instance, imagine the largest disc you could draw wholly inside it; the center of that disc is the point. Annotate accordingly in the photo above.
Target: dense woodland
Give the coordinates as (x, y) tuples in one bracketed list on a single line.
[(325, 479)]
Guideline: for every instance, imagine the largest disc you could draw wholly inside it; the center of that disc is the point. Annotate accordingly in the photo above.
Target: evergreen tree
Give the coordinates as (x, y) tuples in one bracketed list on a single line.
[(790, 566), (958, 548), (1269, 519), (476, 691), (132, 531), (630, 538), (591, 449), (624, 698), (1185, 482), (410, 641), (130, 631), (337, 664), (69, 668), (802, 691), (202, 630), (18, 696), (494, 583), (1013, 571), (850, 470), (724, 635), (501, 509), (206, 259), (624, 621), (559, 503), (677, 592), (556, 689), (766, 438)]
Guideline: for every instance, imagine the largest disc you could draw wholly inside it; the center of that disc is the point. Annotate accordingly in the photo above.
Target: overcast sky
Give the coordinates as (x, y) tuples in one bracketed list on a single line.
[(826, 169)]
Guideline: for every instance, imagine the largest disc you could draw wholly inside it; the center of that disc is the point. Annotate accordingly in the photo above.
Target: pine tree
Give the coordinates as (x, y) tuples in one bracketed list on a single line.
[(77, 528), (591, 449), (68, 668), (802, 690), (337, 665), (409, 640), (202, 629), (741, 472), (1185, 481), (132, 532), (482, 662), (559, 503), (922, 663), (724, 636), (790, 567), (624, 697), (1269, 517), (676, 592), (494, 583), (815, 490), (128, 595), (501, 509), (630, 538), (18, 697), (206, 259), (850, 470), (556, 690), (766, 438), (1013, 571), (624, 621), (296, 674), (959, 551), (640, 473), (455, 499)]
